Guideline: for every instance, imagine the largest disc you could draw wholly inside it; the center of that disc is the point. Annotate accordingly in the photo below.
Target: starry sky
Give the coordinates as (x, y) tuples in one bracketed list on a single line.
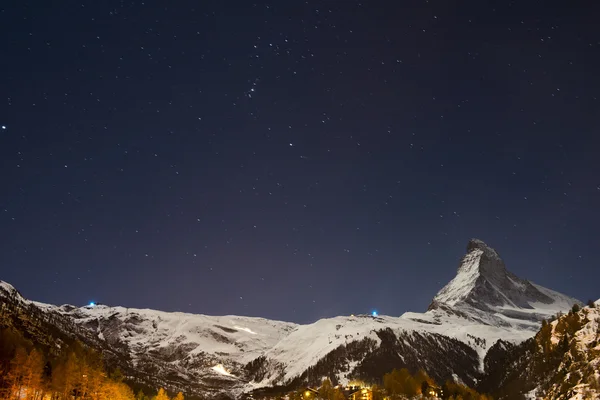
[(295, 160)]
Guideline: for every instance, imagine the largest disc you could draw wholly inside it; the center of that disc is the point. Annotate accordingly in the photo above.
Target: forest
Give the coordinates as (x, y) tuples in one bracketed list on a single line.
[(75, 373), (397, 385), (78, 373)]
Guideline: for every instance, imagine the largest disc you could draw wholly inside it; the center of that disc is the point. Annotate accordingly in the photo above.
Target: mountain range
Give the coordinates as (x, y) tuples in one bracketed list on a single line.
[(479, 320)]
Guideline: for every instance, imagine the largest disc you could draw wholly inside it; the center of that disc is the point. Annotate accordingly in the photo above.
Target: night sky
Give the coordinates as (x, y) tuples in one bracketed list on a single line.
[(298, 159)]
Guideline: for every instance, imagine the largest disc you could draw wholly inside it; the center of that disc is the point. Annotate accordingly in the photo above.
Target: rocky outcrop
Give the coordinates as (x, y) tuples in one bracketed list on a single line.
[(562, 361)]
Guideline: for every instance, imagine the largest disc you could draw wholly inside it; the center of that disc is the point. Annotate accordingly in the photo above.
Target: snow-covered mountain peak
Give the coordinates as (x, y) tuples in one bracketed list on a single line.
[(9, 289), (6, 286), (481, 259), (479, 268), (483, 289), (478, 244)]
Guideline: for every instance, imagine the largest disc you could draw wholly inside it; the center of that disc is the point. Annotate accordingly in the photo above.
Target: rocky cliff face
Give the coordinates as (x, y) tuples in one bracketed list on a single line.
[(232, 355), (44, 326), (562, 361)]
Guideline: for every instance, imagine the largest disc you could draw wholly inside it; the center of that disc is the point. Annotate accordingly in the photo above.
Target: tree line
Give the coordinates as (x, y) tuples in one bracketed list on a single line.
[(76, 372), (397, 384), (400, 384)]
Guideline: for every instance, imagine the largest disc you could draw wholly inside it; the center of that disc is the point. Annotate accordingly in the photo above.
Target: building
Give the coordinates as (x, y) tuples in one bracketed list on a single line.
[(435, 392), (360, 394), (310, 393)]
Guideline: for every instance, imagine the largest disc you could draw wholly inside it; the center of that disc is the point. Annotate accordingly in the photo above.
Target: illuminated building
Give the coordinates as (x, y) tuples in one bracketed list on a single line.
[(361, 394)]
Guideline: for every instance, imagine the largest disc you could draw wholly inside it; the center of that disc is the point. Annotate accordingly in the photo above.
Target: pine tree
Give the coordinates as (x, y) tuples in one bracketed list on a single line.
[(326, 390), (378, 393), (140, 395), (116, 391), (72, 376), (544, 337), (125, 392), (14, 377), (445, 391), (162, 395), (117, 375), (338, 395), (400, 382), (423, 381), (24, 377), (95, 382), (425, 388), (33, 374), (179, 396), (297, 395)]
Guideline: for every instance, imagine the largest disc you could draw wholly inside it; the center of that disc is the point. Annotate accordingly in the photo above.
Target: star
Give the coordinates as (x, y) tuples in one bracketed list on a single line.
[(138, 140)]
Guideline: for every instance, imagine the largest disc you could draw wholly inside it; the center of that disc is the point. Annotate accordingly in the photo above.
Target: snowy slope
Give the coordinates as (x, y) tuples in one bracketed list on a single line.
[(6, 289), (307, 344), (229, 338), (193, 353)]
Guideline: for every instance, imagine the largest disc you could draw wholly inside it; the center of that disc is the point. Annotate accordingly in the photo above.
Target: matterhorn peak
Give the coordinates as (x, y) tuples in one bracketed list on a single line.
[(478, 244), (483, 284), (482, 259)]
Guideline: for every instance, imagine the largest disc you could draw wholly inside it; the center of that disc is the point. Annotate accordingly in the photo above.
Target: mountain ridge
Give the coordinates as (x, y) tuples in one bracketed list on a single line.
[(234, 354)]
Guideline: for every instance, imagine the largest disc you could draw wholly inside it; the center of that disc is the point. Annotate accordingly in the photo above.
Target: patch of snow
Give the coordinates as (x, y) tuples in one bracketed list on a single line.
[(239, 328), (457, 379), (6, 286), (560, 302), (344, 378), (220, 369), (531, 395), (520, 285)]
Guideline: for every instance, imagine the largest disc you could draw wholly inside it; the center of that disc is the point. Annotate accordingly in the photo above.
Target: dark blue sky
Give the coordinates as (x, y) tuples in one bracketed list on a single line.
[(295, 160)]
